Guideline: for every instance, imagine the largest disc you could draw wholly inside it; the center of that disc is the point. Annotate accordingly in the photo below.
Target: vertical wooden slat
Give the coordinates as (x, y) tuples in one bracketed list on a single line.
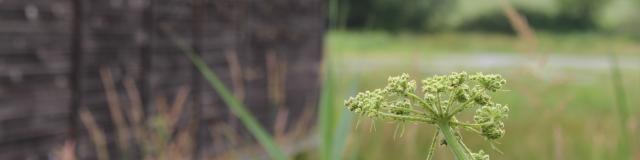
[(197, 11), (77, 71), (146, 53)]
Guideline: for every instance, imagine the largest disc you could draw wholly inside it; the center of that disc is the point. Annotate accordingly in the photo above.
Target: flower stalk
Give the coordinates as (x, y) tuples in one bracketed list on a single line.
[(452, 142)]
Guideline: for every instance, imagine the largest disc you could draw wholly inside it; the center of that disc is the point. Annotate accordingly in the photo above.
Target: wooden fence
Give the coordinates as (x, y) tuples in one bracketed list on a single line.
[(51, 52)]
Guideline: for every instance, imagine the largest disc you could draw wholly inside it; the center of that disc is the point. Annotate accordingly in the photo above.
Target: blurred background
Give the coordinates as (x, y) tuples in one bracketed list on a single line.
[(252, 79), (572, 68)]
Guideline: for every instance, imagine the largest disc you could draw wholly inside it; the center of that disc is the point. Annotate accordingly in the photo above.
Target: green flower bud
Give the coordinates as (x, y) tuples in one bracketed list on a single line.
[(480, 155), (493, 131), (366, 103), (435, 84), (491, 119), (482, 99), (401, 104), (401, 84), (492, 82), (457, 79), (430, 98), (496, 112), (462, 94)]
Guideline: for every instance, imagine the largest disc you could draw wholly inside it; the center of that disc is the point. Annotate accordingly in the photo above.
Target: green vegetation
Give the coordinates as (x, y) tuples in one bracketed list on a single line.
[(444, 98), (485, 15), (332, 126), (380, 43), (621, 103), (558, 114), (553, 115), (389, 15), (579, 14), (234, 104)]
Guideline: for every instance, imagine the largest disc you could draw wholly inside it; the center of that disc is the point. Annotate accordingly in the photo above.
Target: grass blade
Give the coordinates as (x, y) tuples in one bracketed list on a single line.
[(340, 134), (623, 113), (236, 107), (342, 129), (326, 114)]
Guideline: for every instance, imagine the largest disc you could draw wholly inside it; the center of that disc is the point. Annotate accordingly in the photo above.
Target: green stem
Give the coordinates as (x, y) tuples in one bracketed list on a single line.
[(461, 108), (425, 104), (403, 117), (471, 124), (439, 108), (451, 95), (432, 148), (455, 146), (409, 110)]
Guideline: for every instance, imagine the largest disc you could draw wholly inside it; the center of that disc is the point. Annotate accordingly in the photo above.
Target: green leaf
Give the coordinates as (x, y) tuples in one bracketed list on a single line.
[(236, 107)]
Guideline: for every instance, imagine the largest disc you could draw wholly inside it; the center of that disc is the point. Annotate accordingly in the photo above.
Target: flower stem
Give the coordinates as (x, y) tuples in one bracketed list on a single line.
[(424, 103), (432, 148), (452, 141)]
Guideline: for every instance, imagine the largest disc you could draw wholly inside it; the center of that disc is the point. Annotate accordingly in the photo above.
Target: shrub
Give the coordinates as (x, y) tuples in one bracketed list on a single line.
[(578, 14), (496, 21), (392, 15)]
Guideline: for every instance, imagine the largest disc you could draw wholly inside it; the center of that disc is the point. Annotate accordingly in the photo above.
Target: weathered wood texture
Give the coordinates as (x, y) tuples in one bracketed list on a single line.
[(34, 68), (269, 51)]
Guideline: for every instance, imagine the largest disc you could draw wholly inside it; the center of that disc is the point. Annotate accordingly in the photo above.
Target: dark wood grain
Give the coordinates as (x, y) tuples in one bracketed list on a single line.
[(51, 53)]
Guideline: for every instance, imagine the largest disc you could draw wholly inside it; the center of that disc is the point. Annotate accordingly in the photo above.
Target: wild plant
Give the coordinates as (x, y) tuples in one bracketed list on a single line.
[(443, 97)]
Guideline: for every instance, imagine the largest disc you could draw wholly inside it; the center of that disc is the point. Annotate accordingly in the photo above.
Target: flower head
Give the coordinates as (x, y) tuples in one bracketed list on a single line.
[(482, 99), (443, 97), (490, 118), (401, 84), (491, 82), (480, 155), (457, 79), (462, 95), (366, 103), (435, 84), (400, 107)]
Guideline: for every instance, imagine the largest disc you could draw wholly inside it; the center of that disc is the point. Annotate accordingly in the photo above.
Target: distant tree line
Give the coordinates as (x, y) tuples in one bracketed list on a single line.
[(430, 15), (388, 15)]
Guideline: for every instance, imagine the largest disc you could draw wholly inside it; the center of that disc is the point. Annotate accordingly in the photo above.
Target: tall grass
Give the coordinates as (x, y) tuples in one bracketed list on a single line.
[(326, 115), (97, 135), (334, 140), (158, 138), (332, 135), (624, 150), (237, 108)]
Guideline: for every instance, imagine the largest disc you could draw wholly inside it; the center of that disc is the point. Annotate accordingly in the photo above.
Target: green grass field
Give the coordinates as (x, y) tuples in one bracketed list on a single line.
[(550, 118), (556, 113), (368, 43)]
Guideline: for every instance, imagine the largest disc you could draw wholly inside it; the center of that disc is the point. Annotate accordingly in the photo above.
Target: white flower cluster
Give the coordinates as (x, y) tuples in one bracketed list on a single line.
[(443, 98)]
